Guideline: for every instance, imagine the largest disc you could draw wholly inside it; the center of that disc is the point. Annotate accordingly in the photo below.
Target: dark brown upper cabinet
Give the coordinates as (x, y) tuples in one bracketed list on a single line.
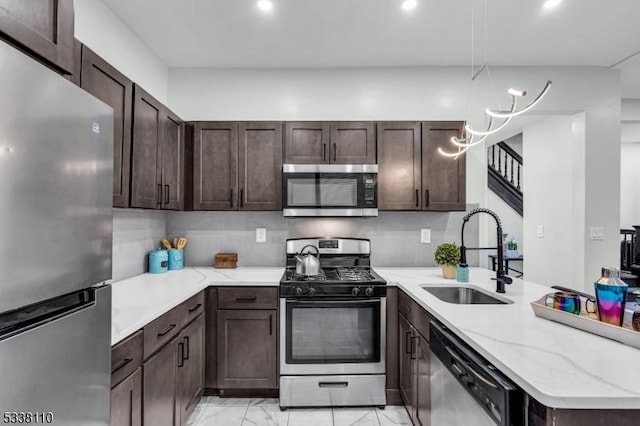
[(324, 143), (74, 77), (443, 178), (43, 28), (157, 158), (306, 142), (260, 166), (110, 86), (352, 143), (399, 165), (237, 166), (412, 175), (215, 165)]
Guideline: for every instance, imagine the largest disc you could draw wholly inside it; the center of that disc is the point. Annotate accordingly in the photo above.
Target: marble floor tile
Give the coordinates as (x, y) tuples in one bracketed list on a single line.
[(222, 415), (265, 415), (195, 415), (312, 417), (216, 401), (393, 416), (264, 401), (355, 417)]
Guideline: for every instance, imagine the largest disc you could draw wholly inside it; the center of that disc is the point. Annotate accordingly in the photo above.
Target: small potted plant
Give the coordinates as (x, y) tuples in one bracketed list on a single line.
[(448, 256), (635, 321)]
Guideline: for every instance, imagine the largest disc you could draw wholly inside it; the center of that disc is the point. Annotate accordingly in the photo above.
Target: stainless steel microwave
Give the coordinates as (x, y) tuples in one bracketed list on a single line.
[(330, 190)]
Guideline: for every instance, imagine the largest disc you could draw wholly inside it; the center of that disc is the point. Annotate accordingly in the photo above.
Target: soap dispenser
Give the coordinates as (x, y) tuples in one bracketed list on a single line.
[(462, 272), (611, 294)]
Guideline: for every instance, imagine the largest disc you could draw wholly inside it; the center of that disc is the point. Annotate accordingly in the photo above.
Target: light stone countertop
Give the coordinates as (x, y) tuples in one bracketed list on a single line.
[(141, 299), (559, 366)]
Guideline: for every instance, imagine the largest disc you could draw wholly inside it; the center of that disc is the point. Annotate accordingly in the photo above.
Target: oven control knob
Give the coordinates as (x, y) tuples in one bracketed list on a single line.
[(312, 291), (355, 291), (368, 291), (299, 291)]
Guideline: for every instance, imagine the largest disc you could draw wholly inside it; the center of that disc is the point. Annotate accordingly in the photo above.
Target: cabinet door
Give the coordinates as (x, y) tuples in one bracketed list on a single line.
[(353, 143), (191, 374), (247, 349), (399, 166), (423, 386), (211, 328), (215, 166), (146, 186), (126, 401), (113, 88), (306, 142), (406, 364), (159, 384), (172, 161), (260, 166), (443, 178), (42, 27)]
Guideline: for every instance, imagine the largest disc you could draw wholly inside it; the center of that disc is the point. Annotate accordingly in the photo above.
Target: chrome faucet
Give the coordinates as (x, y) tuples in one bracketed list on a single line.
[(501, 277)]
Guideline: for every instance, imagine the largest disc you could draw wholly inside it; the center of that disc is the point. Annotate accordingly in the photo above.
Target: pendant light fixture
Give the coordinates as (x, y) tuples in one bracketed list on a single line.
[(474, 137)]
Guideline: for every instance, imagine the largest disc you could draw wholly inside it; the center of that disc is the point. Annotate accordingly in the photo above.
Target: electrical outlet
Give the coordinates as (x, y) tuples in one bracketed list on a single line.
[(425, 236), (261, 235), (597, 233), (540, 231)]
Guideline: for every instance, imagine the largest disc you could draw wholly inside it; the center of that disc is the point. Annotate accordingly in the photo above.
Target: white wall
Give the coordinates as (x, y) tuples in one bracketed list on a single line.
[(630, 185), (554, 149), (515, 142), (102, 31)]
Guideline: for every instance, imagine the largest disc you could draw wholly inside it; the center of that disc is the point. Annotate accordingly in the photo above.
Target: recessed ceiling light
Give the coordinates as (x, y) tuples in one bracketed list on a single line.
[(265, 5), (409, 4), (551, 3)]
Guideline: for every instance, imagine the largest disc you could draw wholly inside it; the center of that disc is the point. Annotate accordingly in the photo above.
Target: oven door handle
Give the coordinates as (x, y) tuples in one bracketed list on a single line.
[(329, 300)]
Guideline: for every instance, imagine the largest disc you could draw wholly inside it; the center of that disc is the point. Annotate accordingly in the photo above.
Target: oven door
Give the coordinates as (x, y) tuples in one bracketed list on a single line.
[(330, 190), (332, 336)]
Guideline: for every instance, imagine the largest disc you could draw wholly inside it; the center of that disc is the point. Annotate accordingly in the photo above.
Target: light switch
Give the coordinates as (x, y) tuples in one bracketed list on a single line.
[(597, 233), (425, 236), (261, 235), (540, 231)]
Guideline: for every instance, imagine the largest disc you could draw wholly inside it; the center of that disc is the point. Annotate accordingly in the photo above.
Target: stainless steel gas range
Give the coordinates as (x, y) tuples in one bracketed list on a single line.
[(332, 328)]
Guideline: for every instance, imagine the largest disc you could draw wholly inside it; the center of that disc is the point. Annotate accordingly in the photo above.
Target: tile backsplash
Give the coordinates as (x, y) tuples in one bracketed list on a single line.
[(395, 236), (135, 233)]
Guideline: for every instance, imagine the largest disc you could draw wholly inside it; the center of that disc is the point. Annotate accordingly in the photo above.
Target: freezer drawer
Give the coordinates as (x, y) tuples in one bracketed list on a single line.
[(61, 366)]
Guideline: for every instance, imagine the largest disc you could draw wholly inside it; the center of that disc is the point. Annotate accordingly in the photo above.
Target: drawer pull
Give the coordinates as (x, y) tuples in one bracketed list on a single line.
[(194, 308), (246, 299), (181, 355), (122, 365), (186, 347), (167, 330), (333, 384)]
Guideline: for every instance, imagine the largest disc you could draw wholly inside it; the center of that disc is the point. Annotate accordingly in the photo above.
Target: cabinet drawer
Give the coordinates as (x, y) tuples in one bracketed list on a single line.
[(247, 298), (161, 331), (416, 315), (126, 356), (192, 308), (405, 304)]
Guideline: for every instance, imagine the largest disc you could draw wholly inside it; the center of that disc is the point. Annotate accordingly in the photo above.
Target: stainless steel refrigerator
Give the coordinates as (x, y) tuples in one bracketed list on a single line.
[(56, 166)]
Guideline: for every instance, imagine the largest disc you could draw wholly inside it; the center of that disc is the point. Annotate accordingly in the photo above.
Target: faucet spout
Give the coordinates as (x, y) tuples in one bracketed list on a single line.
[(501, 277)]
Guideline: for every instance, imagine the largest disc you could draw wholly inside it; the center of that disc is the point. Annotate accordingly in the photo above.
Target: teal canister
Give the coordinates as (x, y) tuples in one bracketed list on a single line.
[(462, 273), (611, 294), (158, 261), (176, 259)]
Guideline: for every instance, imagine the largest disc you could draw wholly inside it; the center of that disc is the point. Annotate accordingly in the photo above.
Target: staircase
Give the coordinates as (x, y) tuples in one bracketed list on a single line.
[(505, 174)]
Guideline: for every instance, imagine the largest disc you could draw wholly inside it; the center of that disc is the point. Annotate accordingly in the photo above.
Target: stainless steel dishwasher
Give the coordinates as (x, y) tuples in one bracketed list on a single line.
[(466, 389)]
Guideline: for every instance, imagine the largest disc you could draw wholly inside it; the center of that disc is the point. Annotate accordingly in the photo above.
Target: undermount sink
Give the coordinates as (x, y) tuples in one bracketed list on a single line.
[(465, 295)]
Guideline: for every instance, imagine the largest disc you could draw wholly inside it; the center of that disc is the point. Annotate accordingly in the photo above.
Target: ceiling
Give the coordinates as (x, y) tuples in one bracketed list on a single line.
[(354, 33)]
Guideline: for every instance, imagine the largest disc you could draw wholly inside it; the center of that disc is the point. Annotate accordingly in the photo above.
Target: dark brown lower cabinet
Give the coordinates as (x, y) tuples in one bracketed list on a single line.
[(406, 366), (159, 384), (247, 343), (190, 375), (414, 372), (126, 401)]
